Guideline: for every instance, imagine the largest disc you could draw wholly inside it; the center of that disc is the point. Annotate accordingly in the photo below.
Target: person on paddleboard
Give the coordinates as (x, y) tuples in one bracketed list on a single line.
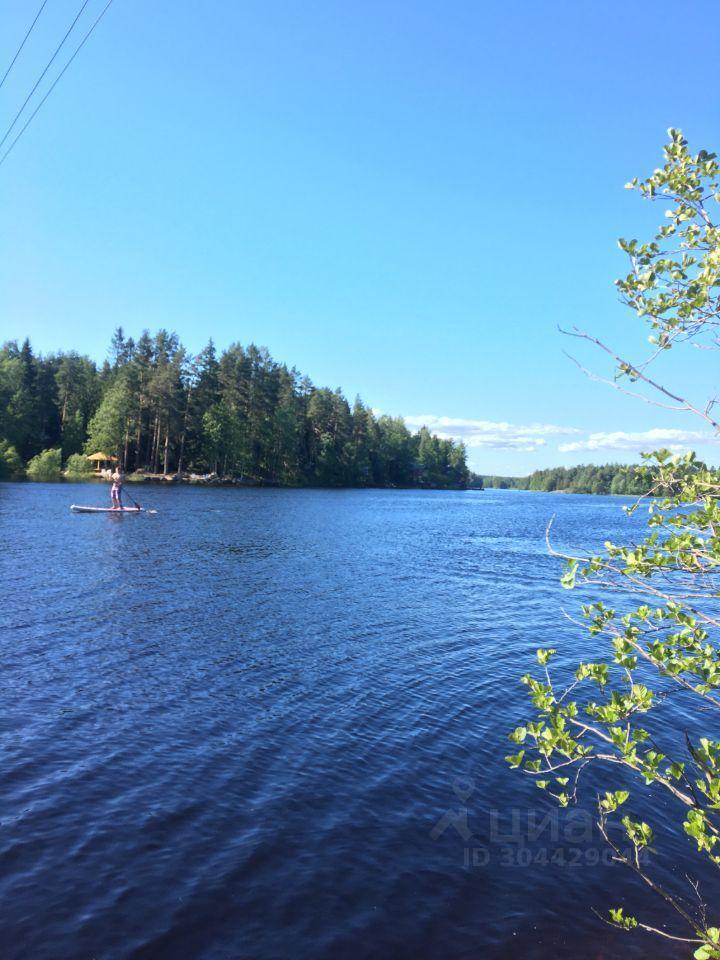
[(116, 489)]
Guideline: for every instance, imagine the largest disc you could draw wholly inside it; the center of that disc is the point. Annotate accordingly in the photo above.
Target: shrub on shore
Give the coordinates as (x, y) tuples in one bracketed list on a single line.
[(11, 465), (78, 465), (46, 466)]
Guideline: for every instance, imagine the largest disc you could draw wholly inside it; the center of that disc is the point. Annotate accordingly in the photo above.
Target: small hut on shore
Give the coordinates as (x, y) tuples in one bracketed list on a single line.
[(100, 459)]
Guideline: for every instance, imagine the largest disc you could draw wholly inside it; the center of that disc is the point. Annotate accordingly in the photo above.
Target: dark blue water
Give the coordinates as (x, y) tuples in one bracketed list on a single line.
[(271, 724)]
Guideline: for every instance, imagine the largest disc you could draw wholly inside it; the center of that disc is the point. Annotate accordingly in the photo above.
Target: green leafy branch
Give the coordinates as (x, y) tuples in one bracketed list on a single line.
[(663, 643)]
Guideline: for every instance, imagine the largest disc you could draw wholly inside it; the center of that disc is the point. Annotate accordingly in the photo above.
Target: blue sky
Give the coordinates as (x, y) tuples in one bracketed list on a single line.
[(401, 198)]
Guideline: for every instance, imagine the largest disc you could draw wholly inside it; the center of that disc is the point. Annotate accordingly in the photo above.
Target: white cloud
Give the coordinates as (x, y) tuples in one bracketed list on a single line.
[(490, 434), (636, 442)]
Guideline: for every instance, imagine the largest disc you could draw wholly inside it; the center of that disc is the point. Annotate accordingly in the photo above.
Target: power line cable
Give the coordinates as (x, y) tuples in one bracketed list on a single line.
[(55, 82), (19, 49), (47, 67)]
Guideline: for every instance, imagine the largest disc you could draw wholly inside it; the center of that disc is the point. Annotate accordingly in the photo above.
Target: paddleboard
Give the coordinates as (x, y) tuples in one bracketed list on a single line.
[(76, 509)]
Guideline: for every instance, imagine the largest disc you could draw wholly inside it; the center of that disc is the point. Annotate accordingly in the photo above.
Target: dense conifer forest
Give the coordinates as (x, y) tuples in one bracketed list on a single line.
[(237, 414), (587, 478)]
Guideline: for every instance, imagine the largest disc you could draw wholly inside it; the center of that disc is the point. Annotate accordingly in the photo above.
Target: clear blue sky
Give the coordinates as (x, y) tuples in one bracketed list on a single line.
[(402, 198)]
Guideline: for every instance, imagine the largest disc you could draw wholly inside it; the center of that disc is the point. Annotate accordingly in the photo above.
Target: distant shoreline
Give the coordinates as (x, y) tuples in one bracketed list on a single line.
[(607, 479), (170, 481), (159, 481)]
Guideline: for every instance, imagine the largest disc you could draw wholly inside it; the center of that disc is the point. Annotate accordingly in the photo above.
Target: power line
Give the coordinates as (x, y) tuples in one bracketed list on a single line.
[(47, 67), (19, 49), (55, 82)]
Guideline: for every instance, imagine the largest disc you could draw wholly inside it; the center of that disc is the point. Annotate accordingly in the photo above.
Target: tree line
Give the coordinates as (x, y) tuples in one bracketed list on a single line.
[(608, 478), (238, 414)]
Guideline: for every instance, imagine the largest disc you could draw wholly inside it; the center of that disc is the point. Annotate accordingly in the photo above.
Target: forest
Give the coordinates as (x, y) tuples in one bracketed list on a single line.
[(238, 414), (612, 478)]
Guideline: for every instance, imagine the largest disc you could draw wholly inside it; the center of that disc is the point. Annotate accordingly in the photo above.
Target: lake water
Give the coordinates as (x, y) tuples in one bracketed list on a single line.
[(271, 724)]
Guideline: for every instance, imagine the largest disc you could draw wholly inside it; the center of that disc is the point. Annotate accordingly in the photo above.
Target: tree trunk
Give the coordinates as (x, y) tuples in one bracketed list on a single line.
[(184, 431), (150, 442), (138, 442), (156, 445)]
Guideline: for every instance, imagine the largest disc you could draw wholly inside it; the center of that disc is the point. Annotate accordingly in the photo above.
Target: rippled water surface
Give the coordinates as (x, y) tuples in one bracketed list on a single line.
[(271, 724)]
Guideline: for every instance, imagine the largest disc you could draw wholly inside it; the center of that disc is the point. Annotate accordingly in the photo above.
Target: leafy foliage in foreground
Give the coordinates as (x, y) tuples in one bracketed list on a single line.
[(240, 414), (660, 659)]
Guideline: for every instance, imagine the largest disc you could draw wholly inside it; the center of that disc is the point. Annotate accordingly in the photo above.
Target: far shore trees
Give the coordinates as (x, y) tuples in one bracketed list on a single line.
[(642, 714), (240, 414), (609, 478)]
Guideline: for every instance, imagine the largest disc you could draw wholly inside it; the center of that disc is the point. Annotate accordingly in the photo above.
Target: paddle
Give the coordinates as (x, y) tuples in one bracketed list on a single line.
[(122, 490), (137, 505)]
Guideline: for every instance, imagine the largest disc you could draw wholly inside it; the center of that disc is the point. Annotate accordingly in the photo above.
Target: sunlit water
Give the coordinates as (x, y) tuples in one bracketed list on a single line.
[(271, 724)]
